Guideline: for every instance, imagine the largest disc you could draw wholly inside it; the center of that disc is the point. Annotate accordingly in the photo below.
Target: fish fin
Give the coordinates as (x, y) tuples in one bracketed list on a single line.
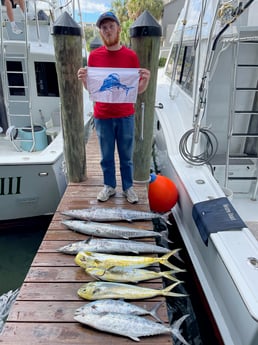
[(101, 271), (113, 268), (153, 311), (133, 338), (175, 329)]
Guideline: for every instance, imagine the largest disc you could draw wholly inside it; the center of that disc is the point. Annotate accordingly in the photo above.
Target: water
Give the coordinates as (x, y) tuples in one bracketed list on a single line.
[(18, 246)]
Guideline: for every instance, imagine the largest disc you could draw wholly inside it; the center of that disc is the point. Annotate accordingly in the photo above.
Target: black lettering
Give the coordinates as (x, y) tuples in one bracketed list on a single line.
[(18, 185), (2, 186), (11, 183)]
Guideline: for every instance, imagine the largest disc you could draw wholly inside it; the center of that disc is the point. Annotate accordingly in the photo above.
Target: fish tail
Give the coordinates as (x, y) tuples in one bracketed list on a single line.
[(165, 217), (153, 311), (167, 291), (168, 275), (164, 260), (164, 235), (175, 329)]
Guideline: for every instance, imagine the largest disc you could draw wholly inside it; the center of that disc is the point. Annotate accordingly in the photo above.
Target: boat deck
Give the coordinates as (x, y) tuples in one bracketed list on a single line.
[(44, 309)]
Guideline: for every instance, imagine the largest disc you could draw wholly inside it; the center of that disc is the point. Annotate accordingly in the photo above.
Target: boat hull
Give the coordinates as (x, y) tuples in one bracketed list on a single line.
[(219, 265), (29, 190)]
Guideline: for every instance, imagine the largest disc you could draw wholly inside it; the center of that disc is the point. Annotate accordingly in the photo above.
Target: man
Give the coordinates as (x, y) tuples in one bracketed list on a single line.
[(10, 4), (114, 122)]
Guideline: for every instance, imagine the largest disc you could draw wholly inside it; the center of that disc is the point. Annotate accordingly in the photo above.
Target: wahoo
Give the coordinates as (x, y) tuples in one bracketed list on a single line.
[(112, 246), (115, 214), (111, 230)]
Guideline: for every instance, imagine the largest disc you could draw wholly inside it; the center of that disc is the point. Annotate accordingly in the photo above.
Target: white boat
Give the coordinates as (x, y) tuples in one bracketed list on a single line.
[(206, 141), (32, 176)]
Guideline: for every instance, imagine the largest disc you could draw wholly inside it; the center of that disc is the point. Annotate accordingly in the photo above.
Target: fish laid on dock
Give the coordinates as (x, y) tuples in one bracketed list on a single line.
[(117, 306), (127, 275), (106, 245), (128, 325), (91, 259), (99, 214), (111, 230), (100, 290)]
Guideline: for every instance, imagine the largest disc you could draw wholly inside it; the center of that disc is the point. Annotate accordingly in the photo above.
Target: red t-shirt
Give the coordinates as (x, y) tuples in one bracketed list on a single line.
[(122, 58)]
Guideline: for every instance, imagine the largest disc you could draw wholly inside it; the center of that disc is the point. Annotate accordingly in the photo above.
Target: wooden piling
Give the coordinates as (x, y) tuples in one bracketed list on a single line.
[(68, 52), (145, 36)]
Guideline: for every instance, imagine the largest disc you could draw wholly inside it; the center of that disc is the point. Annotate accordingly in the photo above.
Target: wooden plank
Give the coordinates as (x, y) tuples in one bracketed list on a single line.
[(68, 333)]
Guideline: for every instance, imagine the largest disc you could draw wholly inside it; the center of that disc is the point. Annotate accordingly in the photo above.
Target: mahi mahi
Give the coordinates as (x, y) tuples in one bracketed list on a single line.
[(106, 245), (111, 230), (127, 275), (90, 259), (117, 306), (114, 214), (131, 326), (100, 290)]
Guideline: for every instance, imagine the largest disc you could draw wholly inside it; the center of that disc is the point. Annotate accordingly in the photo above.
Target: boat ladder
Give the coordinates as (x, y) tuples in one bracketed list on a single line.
[(16, 82), (243, 145)]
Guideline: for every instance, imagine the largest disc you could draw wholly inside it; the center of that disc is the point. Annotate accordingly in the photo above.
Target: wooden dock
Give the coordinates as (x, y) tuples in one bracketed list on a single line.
[(43, 312)]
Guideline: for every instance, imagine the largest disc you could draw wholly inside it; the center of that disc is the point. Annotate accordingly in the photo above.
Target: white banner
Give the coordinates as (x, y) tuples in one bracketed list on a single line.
[(113, 85)]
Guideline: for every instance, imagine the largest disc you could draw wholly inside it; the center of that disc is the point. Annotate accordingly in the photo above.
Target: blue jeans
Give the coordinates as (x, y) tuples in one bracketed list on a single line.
[(119, 131)]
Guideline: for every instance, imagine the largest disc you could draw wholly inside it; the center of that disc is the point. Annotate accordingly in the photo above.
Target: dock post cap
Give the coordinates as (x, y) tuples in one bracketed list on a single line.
[(65, 25), (145, 25)]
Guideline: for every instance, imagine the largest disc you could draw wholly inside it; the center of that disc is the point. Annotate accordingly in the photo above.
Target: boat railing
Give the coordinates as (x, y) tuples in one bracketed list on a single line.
[(242, 144), (16, 79), (16, 72)]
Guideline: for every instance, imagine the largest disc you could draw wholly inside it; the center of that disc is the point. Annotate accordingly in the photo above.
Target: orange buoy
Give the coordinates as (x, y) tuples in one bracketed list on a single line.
[(163, 194)]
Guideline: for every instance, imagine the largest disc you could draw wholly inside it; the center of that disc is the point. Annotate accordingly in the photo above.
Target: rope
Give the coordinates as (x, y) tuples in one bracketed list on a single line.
[(210, 147)]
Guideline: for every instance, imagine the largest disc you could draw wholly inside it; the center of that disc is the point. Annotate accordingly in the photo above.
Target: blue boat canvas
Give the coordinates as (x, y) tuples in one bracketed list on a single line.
[(113, 85)]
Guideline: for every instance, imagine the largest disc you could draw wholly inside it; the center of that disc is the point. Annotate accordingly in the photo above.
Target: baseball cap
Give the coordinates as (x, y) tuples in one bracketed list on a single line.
[(107, 15)]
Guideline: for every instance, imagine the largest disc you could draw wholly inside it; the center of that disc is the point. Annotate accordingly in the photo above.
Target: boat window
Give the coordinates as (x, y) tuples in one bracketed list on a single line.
[(15, 78), (171, 61), (46, 79), (185, 68)]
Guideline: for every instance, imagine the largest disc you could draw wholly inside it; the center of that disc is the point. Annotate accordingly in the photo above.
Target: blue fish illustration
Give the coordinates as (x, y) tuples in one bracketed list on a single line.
[(113, 82)]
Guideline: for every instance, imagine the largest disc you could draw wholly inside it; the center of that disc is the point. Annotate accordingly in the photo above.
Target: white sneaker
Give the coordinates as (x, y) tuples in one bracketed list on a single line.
[(131, 196), (16, 30), (106, 193)]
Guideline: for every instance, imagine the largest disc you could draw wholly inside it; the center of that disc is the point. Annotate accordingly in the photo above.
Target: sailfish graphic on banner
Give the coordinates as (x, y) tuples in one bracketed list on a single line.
[(113, 85)]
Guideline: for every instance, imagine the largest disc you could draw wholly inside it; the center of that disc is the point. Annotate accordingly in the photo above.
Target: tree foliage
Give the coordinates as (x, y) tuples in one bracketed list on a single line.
[(136, 7), (128, 11)]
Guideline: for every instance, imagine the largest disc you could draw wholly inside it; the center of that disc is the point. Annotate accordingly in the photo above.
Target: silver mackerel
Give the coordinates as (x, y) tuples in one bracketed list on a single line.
[(110, 230), (106, 245), (110, 214)]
